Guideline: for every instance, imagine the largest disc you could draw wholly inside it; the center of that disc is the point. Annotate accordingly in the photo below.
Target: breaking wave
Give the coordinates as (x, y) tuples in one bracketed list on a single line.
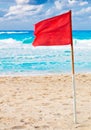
[(26, 42), (13, 32)]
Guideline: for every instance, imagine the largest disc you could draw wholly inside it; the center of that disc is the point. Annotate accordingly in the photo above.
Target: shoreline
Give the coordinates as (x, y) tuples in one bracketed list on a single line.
[(41, 74)]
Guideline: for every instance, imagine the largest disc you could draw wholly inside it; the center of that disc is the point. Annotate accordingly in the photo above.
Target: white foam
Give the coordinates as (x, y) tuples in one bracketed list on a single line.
[(82, 43), (13, 32), (9, 43), (12, 43)]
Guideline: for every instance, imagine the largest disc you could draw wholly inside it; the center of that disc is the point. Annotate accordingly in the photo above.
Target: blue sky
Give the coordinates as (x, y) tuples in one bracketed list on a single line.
[(23, 14)]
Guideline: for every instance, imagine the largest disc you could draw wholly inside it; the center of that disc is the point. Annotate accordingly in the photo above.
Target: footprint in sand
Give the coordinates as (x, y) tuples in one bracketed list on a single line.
[(18, 127), (41, 127)]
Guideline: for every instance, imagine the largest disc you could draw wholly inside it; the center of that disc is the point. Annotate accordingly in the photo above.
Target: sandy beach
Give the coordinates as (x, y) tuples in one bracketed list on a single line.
[(44, 102)]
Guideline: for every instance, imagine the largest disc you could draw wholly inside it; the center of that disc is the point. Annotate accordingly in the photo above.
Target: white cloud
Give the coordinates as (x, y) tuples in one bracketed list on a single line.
[(83, 3), (23, 10), (83, 11), (59, 5), (22, 1), (71, 2), (49, 12), (77, 3)]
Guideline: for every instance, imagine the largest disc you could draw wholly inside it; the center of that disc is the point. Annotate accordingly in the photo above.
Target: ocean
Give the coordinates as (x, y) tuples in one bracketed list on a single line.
[(19, 57)]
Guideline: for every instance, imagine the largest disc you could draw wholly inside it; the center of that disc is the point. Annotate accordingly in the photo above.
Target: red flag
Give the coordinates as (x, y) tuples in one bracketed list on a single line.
[(54, 31)]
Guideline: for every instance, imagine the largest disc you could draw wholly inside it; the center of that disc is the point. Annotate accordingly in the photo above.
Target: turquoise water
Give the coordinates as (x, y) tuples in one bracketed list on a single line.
[(18, 56)]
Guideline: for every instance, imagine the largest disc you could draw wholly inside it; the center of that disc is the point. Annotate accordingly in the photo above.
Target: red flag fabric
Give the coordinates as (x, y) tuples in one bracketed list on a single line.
[(54, 31)]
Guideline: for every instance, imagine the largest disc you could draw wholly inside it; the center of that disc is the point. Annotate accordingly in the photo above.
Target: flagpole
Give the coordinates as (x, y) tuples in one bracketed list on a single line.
[(73, 79), (74, 87)]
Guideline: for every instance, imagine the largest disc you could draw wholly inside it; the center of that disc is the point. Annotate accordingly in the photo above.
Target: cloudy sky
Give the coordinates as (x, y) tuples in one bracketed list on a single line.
[(23, 14)]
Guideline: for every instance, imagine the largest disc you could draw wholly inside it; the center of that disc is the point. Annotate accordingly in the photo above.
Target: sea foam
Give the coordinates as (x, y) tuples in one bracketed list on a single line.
[(26, 42)]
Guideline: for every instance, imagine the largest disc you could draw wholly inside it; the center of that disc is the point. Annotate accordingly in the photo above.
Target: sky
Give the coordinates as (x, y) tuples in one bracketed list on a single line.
[(23, 14)]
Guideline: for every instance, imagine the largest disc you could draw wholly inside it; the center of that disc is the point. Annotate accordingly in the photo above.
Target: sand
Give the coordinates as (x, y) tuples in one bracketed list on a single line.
[(44, 102)]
